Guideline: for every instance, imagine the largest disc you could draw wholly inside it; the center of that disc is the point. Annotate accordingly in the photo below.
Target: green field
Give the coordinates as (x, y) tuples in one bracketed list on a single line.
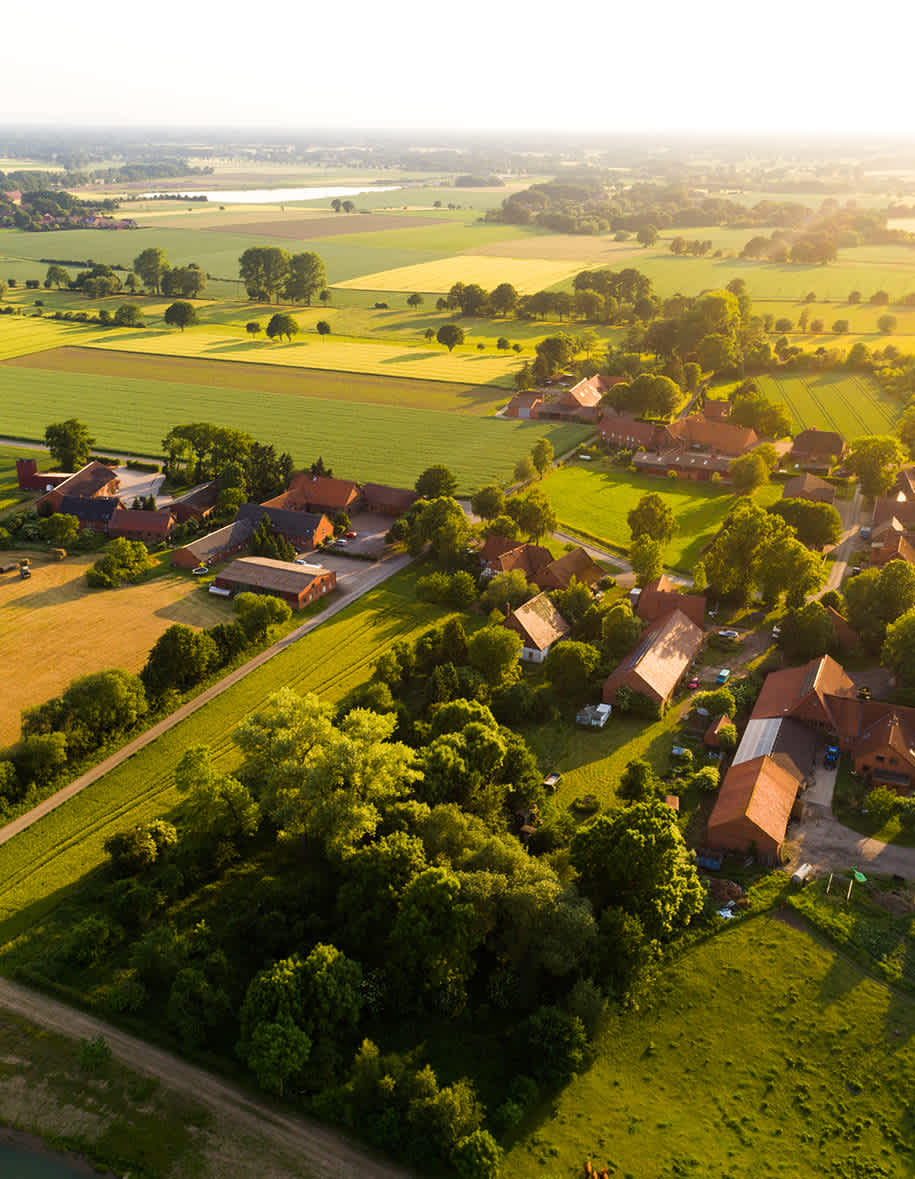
[(386, 444), (595, 500), (9, 486), (40, 866), (759, 1053), (851, 403)]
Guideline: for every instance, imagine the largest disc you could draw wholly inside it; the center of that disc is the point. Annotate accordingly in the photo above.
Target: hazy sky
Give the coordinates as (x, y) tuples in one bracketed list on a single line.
[(609, 66)]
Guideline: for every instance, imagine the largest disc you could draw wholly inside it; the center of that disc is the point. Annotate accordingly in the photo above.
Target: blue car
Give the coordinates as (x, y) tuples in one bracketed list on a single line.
[(830, 761), (723, 676)]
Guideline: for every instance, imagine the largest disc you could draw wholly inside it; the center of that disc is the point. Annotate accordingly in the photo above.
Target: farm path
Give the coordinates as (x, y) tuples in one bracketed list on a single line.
[(324, 1153), (828, 845), (375, 577), (850, 511), (615, 559)]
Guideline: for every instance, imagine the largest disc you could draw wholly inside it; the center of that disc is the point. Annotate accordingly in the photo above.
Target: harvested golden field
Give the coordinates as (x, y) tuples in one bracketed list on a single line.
[(525, 274), (53, 628), (564, 247)]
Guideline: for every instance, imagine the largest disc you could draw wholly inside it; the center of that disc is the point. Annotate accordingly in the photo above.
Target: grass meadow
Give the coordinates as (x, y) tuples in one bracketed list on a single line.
[(759, 1051), (595, 499), (45, 863), (851, 403), (382, 443), (10, 495), (525, 274)]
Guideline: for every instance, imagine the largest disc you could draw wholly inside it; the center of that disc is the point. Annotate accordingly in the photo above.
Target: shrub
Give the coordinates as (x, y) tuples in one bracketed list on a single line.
[(881, 804)]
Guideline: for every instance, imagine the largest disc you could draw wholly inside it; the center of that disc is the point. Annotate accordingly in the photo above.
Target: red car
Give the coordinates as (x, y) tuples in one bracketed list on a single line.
[(693, 683), (351, 535)]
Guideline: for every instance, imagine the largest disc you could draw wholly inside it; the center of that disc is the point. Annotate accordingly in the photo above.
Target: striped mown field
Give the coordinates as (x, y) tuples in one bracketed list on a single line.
[(850, 403)]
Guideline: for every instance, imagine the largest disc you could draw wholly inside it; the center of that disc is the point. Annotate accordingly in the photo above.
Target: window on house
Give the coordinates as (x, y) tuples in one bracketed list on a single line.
[(880, 759)]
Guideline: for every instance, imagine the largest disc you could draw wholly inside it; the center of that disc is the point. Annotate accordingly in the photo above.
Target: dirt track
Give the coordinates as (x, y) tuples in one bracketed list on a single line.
[(324, 1154)]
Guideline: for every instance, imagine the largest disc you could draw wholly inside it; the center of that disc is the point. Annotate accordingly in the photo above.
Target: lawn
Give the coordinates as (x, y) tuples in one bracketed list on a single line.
[(381, 443), (851, 403), (46, 862), (759, 1052), (57, 628), (595, 499)]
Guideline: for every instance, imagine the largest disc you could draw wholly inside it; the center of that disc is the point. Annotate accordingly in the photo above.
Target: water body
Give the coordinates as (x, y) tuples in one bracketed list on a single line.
[(18, 1163), (264, 196)]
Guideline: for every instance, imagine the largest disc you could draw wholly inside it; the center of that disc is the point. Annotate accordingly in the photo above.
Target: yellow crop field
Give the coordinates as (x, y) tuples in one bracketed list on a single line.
[(55, 628), (582, 250), (526, 274), (21, 335), (465, 365)]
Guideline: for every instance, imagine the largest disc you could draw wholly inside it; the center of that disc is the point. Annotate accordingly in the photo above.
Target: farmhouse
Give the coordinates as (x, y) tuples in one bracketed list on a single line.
[(696, 447), (559, 573), (582, 401), (817, 450), (387, 501), (524, 405), (318, 493), (698, 432), (30, 478), (94, 479), (197, 504), (656, 664), (847, 636), (92, 513), (620, 429), (146, 526), (809, 487), (296, 584), (540, 625), (661, 596), (892, 545), (303, 530), (499, 555)]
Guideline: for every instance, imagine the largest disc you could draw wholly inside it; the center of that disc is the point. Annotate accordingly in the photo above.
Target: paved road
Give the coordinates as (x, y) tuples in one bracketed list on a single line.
[(324, 1153), (376, 576), (850, 511), (615, 559)]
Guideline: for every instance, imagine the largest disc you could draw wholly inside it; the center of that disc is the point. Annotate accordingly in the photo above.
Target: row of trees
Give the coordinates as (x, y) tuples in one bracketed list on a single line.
[(199, 451), (268, 272)]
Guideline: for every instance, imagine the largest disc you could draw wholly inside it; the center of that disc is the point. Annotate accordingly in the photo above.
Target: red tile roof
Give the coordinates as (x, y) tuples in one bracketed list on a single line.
[(326, 492), (755, 799), (658, 660), (559, 573), (149, 523), (539, 623), (660, 597), (626, 430), (722, 437)]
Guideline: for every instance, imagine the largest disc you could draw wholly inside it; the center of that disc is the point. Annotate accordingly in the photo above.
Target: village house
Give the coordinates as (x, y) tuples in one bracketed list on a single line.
[(525, 405), (654, 667), (318, 493), (580, 403), (150, 527), (198, 504), (296, 584), (499, 555), (753, 807), (695, 447), (817, 450), (89, 482), (540, 625), (809, 487), (716, 409), (661, 596), (215, 547), (94, 513), (624, 431), (387, 501), (304, 530)]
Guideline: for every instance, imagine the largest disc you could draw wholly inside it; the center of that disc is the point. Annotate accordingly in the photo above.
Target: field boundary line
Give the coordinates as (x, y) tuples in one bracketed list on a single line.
[(388, 569)]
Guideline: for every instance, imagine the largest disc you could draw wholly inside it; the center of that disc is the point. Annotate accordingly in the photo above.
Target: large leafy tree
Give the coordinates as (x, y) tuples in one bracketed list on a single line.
[(652, 517), (218, 809), (877, 597), (570, 668), (494, 652), (637, 860), (533, 513), (646, 556), (620, 630), (898, 651), (70, 444), (306, 278), (181, 314), (816, 524), (150, 266), (283, 326), (807, 633), (875, 459), (449, 335), (436, 481), (264, 271), (731, 561), (180, 658)]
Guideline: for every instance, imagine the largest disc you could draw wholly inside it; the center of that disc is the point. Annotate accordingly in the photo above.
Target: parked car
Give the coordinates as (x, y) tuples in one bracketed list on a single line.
[(728, 634), (351, 535), (693, 683), (723, 676), (854, 571), (830, 761), (776, 631), (864, 692), (199, 570), (340, 542), (864, 532)]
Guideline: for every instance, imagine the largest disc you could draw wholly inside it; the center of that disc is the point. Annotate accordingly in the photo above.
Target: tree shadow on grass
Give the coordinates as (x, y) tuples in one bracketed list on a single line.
[(413, 354)]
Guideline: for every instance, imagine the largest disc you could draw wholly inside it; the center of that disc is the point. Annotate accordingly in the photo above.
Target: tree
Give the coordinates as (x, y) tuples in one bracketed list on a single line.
[(415, 300), (435, 481), (524, 469), (217, 808), (553, 353), (638, 782), (504, 299), (57, 276), (188, 282), (877, 597), (898, 652), (150, 265), (620, 630), (542, 455), (534, 513), (807, 633), (488, 502), (306, 277), (647, 235), (282, 325), (700, 578), (817, 524), (637, 860), (551, 1045), (336, 204), (875, 459), (264, 271), (570, 668), (494, 652), (181, 314), (887, 324), (322, 327), (123, 561), (749, 472), (349, 207), (732, 559), (252, 327), (646, 559), (70, 444), (128, 315), (449, 335), (652, 517), (478, 1156), (180, 658), (258, 612), (59, 529)]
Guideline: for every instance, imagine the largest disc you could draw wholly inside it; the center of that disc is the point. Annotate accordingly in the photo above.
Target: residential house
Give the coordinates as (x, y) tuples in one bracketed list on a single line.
[(660, 658), (892, 545), (847, 636), (540, 625), (809, 487), (558, 574), (304, 530), (697, 432), (318, 493), (90, 481), (525, 405), (387, 501), (817, 450), (198, 504), (499, 555), (582, 401), (661, 596), (150, 527), (296, 584), (695, 447)]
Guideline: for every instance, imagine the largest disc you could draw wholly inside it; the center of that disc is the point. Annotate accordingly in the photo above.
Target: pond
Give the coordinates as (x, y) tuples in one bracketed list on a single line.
[(262, 196)]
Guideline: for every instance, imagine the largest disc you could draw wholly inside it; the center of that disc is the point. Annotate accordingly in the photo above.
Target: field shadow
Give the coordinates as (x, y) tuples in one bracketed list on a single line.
[(236, 346), (412, 355)]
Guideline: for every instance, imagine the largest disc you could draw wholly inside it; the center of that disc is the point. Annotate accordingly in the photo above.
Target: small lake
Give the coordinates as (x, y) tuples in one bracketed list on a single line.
[(263, 196), (17, 1163)]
